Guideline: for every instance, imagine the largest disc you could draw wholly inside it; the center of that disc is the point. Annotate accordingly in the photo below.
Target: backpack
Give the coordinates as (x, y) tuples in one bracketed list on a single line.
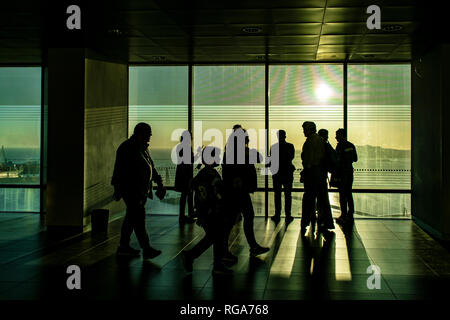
[(207, 193), (330, 159)]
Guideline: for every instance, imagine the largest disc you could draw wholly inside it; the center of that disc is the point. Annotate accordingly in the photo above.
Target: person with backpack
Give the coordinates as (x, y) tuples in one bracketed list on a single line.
[(209, 201), (240, 179), (346, 152), (325, 219)]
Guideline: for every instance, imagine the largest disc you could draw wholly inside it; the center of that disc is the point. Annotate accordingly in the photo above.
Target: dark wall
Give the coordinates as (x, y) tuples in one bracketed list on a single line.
[(430, 140), (105, 128)]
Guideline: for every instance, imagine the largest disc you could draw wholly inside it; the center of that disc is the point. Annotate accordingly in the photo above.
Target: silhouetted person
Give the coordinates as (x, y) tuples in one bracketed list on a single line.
[(134, 172), (325, 220), (346, 152), (284, 177), (183, 178), (209, 202), (240, 179), (314, 175)]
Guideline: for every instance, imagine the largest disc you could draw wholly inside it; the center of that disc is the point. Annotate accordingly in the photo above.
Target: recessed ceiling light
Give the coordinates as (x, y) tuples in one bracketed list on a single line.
[(252, 29), (392, 27)]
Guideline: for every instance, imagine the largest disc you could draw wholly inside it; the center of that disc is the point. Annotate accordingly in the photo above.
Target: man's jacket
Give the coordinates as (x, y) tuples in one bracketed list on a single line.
[(134, 170)]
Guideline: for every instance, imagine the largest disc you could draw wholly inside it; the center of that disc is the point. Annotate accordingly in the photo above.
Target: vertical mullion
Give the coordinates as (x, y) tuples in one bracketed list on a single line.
[(266, 177), (345, 99), (43, 157), (190, 88)]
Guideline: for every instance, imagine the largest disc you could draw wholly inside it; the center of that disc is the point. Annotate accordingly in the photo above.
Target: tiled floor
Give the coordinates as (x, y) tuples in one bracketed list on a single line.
[(413, 266)]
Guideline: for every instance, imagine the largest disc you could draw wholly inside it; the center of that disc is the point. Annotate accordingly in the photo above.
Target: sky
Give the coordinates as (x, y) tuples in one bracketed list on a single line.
[(378, 99), (20, 111)]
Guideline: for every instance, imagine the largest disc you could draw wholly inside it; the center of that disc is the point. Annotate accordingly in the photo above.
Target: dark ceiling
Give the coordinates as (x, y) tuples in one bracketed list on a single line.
[(213, 31)]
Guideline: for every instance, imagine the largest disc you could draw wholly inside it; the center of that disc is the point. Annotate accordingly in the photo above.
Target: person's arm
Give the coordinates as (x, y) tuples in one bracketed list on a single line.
[(355, 155), (306, 154), (155, 175), (118, 173), (291, 154)]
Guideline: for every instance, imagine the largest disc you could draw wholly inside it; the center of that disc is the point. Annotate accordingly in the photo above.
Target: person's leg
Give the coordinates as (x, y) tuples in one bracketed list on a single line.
[(349, 196), (325, 214), (230, 214), (138, 222), (249, 215), (127, 228), (182, 218), (182, 204), (288, 195), (204, 243), (308, 205), (190, 201), (189, 256), (277, 195)]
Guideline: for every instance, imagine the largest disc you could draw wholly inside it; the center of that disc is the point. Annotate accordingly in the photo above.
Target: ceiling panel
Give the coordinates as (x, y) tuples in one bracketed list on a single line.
[(154, 31)]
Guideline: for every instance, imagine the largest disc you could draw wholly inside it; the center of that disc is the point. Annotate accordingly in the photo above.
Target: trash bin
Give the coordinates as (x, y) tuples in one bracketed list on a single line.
[(99, 220)]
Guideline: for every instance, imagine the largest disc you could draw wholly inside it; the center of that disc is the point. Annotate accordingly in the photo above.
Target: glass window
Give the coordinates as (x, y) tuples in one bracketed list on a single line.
[(379, 125), (20, 125), (20, 199), (20, 137), (299, 93), (158, 95), (227, 95)]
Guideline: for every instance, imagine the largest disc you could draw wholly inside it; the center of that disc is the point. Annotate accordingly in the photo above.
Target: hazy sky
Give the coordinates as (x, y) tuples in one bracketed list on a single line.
[(378, 97), (20, 101), (378, 114)]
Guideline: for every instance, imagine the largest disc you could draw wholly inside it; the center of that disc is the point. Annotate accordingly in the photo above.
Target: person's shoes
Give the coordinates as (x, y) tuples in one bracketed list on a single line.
[(186, 219), (151, 253), (288, 219), (275, 218), (255, 251), (221, 270), (187, 261), (230, 258), (128, 251)]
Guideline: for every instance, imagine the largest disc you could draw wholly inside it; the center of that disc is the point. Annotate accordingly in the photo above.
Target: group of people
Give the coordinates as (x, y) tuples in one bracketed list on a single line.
[(217, 202)]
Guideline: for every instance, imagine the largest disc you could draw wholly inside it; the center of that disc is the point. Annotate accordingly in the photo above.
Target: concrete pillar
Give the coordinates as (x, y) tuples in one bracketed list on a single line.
[(87, 120)]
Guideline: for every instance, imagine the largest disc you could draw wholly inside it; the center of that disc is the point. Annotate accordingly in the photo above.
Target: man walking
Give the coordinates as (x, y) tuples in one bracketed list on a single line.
[(134, 172)]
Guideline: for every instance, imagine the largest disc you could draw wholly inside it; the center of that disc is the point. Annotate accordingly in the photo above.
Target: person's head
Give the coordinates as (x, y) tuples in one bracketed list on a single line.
[(341, 135), (211, 156), (281, 135), (323, 133), (236, 126), (238, 129), (142, 132), (309, 128)]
